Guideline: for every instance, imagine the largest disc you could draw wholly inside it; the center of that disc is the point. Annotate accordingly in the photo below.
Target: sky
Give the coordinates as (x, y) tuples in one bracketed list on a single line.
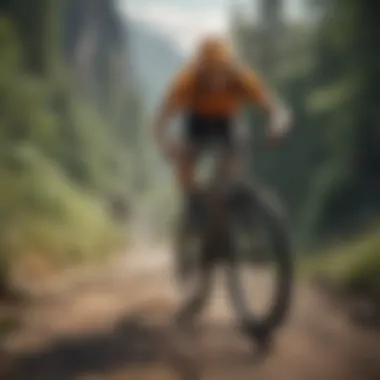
[(186, 21)]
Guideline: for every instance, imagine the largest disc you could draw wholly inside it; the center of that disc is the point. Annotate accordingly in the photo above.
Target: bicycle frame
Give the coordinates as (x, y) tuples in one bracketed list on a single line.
[(217, 247)]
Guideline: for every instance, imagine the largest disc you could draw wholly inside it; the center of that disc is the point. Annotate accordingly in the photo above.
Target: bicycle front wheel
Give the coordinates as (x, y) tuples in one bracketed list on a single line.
[(260, 267)]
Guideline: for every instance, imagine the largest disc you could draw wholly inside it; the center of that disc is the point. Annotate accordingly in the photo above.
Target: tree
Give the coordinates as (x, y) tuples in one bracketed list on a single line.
[(327, 70)]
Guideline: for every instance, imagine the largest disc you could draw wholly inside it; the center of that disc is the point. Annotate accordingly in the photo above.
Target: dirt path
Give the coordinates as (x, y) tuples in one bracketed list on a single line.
[(115, 326)]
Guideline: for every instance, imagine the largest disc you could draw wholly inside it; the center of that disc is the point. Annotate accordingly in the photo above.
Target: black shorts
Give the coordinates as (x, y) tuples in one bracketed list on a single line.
[(202, 131)]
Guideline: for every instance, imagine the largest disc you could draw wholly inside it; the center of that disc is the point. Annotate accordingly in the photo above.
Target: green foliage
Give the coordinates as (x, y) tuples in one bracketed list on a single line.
[(353, 267), (8, 324), (42, 211), (61, 162), (327, 72)]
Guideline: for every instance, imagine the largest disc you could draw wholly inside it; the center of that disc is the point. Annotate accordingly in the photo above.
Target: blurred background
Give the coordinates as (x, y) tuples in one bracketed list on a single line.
[(82, 184)]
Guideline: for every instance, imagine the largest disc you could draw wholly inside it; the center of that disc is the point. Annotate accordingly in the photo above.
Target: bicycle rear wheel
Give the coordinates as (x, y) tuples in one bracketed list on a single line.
[(260, 266)]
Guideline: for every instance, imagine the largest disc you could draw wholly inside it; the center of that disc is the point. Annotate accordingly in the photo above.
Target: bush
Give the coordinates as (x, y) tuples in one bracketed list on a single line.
[(55, 157), (353, 267)]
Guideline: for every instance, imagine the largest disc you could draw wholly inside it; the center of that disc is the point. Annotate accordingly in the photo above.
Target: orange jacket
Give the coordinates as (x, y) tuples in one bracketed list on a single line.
[(185, 92)]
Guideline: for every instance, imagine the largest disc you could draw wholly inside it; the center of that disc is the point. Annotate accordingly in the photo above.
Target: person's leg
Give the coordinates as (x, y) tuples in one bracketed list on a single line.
[(185, 171), (232, 164), (233, 167), (238, 191), (185, 175)]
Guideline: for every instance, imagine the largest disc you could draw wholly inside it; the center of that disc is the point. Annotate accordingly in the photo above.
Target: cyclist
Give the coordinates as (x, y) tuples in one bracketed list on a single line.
[(210, 90)]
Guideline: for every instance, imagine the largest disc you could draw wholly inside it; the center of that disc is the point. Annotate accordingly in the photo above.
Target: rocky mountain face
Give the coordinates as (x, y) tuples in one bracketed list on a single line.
[(154, 59), (96, 47)]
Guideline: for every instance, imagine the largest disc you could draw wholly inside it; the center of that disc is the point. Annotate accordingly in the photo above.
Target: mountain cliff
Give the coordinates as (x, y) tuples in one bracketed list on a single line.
[(68, 122), (154, 59)]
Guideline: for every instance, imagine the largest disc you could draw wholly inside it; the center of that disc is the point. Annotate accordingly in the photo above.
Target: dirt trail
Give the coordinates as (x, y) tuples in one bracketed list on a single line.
[(116, 326)]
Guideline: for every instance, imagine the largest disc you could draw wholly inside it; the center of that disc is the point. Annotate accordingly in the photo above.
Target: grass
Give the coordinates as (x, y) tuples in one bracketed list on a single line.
[(354, 266), (43, 214), (7, 325), (59, 159)]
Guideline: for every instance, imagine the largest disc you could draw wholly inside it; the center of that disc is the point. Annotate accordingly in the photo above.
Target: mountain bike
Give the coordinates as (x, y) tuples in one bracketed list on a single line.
[(243, 228)]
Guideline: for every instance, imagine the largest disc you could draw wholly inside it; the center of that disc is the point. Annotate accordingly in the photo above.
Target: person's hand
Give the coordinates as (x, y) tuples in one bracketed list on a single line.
[(279, 126)]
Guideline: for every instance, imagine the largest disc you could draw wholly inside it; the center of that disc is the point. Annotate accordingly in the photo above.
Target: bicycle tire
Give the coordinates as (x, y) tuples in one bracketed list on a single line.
[(256, 199)]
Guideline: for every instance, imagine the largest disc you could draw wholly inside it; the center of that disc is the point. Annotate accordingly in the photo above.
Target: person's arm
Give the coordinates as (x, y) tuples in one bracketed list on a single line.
[(174, 100), (257, 93), (165, 112)]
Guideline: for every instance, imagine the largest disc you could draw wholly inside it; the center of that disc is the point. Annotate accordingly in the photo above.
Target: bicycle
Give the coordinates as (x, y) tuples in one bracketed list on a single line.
[(200, 248)]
